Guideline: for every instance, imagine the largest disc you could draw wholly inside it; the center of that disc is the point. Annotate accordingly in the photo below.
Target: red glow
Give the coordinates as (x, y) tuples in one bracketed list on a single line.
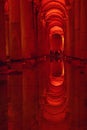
[(55, 101), (6, 7), (56, 29), (57, 73), (53, 113)]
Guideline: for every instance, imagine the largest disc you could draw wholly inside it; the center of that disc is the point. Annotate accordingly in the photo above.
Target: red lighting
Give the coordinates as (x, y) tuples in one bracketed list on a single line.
[(57, 73)]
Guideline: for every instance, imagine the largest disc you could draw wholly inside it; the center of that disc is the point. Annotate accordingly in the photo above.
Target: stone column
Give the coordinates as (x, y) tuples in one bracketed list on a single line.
[(2, 32), (80, 28), (43, 41), (27, 29), (83, 29), (14, 29), (77, 27), (67, 45)]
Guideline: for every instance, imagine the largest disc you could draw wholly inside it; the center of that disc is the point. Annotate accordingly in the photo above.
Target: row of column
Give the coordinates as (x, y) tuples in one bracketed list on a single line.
[(76, 30), (17, 31)]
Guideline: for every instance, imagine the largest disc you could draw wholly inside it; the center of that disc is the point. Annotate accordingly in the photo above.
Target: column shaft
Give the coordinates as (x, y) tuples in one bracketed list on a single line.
[(2, 32), (14, 29), (27, 29)]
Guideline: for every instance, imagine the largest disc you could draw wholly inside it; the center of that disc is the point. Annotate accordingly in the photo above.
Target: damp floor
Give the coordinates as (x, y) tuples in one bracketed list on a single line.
[(24, 89)]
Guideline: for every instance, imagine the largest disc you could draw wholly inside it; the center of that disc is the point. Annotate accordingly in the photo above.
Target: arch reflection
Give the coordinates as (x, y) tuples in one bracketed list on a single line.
[(55, 98)]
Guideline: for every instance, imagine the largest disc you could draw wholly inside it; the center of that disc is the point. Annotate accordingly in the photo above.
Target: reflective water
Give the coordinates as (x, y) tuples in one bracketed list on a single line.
[(44, 93)]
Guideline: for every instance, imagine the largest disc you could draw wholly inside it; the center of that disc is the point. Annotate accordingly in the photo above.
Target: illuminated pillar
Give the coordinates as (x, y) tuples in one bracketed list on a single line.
[(80, 28), (77, 27), (2, 32), (43, 40), (14, 29), (67, 43), (7, 27), (83, 29), (69, 29), (27, 29)]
